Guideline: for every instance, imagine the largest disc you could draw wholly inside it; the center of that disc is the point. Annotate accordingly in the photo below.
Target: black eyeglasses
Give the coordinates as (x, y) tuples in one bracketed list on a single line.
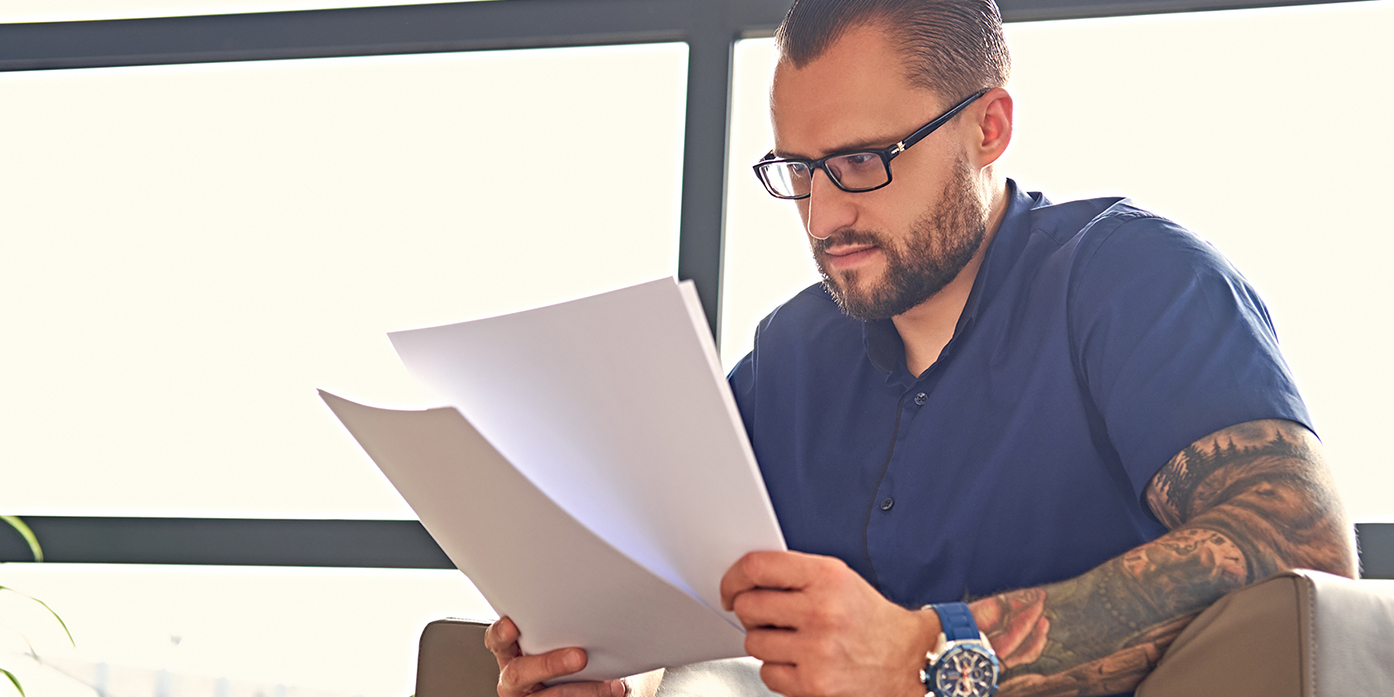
[(854, 171)]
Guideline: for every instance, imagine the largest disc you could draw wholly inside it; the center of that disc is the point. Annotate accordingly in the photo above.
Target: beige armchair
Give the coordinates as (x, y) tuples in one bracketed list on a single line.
[(1297, 634)]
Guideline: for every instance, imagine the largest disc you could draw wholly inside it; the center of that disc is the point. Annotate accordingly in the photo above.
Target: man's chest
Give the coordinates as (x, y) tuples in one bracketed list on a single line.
[(983, 474)]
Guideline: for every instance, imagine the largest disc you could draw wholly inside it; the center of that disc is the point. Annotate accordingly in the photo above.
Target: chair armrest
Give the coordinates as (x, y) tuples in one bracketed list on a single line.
[(1298, 633), (452, 661)]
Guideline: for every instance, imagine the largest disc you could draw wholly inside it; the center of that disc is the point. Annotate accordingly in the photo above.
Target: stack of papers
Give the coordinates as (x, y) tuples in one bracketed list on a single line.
[(590, 474)]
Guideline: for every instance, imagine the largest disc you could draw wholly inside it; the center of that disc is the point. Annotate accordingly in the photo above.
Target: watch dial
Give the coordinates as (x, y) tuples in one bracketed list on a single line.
[(965, 674)]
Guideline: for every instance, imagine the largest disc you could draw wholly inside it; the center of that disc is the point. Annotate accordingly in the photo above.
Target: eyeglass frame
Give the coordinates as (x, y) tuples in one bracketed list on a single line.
[(886, 154)]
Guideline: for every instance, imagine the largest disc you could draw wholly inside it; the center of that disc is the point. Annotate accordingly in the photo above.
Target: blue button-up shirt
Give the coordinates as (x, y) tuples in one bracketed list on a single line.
[(1098, 341)]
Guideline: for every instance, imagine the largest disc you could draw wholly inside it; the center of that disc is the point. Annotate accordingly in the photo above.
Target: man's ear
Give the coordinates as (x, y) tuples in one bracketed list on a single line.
[(994, 128)]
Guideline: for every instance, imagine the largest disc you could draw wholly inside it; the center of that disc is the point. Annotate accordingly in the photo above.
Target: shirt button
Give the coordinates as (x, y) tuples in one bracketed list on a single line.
[(921, 398), (887, 503)]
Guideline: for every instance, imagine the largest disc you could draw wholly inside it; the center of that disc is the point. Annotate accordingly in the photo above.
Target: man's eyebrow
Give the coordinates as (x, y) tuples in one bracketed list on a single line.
[(849, 146)]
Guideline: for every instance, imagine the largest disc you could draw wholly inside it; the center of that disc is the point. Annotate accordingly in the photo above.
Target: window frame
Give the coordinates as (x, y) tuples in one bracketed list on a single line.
[(710, 28)]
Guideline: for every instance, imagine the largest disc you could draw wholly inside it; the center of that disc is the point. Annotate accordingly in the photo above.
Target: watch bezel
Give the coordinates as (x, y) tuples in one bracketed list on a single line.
[(937, 660)]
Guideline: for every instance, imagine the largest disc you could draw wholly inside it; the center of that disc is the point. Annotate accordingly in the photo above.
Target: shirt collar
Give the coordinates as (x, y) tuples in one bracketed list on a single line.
[(883, 343)]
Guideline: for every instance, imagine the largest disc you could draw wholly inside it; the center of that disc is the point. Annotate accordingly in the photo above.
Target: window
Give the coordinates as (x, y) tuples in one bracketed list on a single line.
[(82, 10), (211, 631), (191, 250)]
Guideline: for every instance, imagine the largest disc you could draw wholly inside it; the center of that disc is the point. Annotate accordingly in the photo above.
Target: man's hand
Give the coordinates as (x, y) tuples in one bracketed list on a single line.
[(523, 675), (823, 631)]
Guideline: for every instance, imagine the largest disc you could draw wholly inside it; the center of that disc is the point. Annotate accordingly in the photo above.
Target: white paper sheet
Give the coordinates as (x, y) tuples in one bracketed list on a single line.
[(615, 407), (592, 475), (534, 562)]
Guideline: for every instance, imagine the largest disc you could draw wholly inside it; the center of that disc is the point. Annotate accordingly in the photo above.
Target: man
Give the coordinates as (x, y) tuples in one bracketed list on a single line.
[(1072, 416)]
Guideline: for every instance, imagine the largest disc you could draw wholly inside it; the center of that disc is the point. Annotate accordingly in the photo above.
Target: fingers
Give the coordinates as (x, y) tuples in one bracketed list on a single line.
[(608, 688), (501, 638), (779, 677), (521, 675), (773, 646), (788, 570), (763, 608), (1020, 625), (1014, 622), (524, 675), (821, 629)]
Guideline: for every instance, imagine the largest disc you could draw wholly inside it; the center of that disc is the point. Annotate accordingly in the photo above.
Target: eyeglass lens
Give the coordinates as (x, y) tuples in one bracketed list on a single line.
[(857, 171), (786, 178)]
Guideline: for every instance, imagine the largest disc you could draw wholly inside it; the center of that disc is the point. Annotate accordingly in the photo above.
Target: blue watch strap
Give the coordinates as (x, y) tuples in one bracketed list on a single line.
[(957, 621)]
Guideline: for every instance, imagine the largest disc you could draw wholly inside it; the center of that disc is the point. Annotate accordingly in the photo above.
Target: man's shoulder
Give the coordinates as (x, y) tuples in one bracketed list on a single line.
[(1127, 240), (1116, 235), (1095, 219)]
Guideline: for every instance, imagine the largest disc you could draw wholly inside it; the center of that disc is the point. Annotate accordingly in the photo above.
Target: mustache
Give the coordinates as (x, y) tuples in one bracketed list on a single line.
[(848, 236)]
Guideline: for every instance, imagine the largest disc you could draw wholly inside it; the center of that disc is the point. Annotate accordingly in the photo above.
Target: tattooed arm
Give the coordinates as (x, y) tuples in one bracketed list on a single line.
[(1242, 503)]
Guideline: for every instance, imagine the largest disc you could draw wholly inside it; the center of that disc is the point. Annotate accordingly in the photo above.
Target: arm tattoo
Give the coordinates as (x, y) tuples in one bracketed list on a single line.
[(1242, 503)]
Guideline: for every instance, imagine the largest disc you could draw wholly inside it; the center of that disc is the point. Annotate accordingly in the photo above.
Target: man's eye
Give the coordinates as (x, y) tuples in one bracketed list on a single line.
[(860, 159)]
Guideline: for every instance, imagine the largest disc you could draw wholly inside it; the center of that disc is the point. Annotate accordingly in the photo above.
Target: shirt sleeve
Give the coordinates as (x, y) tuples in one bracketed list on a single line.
[(1172, 343)]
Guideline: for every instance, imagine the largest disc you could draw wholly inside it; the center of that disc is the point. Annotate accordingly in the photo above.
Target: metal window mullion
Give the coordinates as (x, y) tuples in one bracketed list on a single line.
[(701, 232)]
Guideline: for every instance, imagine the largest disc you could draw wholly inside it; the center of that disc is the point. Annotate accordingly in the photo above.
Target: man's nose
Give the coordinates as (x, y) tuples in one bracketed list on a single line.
[(829, 208)]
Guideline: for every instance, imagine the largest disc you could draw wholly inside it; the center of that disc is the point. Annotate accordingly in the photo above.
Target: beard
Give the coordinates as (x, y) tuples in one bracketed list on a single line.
[(941, 243)]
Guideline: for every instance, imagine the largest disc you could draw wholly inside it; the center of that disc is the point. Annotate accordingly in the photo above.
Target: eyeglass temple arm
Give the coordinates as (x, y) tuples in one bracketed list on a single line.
[(934, 125)]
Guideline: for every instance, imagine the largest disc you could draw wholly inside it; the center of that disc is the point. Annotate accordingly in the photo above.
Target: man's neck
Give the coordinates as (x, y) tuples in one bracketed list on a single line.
[(926, 328)]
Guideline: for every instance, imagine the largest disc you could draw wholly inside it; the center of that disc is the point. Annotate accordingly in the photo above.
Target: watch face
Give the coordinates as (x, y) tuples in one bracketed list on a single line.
[(965, 672)]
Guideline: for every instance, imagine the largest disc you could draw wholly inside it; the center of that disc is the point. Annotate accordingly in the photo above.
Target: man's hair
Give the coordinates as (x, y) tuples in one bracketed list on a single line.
[(951, 47)]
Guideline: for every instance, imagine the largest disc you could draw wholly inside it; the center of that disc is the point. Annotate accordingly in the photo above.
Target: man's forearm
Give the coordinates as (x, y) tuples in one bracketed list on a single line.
[(1254, 500), (1103, 632)]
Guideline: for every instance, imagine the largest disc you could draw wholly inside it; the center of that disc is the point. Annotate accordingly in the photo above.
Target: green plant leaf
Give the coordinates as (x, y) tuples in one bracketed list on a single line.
[(32, 652), (14, 680), (27, 534), (46, 607)]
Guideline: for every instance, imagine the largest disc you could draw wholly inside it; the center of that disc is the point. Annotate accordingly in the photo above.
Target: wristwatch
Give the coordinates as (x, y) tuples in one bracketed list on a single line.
[(963, 663)]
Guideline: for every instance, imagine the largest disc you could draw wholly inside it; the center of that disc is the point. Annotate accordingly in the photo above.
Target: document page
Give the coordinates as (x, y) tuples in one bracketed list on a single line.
[(558, 581), (591, 473), (614, 406)]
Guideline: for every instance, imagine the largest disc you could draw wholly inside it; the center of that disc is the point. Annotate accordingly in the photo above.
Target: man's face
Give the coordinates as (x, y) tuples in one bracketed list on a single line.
[(880, 252)]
